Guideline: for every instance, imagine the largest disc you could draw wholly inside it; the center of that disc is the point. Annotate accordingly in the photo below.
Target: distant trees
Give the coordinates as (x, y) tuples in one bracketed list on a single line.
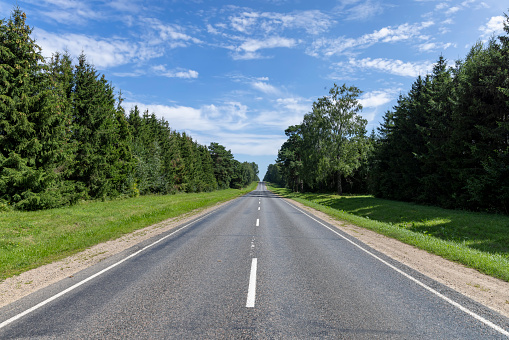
[(273, 175), (64, 136), (229, 172)]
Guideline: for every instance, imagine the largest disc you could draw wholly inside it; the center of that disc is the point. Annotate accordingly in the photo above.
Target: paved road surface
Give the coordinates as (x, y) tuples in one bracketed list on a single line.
[(257, 268)]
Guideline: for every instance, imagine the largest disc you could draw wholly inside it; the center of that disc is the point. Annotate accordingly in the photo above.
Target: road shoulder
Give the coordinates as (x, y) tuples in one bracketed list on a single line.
[(487, 290), (19, 286)]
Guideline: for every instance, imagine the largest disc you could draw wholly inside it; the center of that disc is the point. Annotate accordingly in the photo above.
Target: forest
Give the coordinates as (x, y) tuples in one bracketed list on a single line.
[(65, 137), (445, 143)]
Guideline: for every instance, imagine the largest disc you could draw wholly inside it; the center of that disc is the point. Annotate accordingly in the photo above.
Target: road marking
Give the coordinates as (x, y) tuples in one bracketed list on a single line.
[(251, 291), (258, 208), (54, 297), (423, 285), (257, 222)]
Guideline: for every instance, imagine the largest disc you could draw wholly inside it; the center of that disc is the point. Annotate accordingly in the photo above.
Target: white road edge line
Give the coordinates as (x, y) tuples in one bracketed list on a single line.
[(251, 291), (443, 297), (54, 297)]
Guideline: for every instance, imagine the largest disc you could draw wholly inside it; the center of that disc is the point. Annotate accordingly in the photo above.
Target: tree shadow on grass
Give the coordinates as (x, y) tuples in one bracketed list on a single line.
[(484, 232)]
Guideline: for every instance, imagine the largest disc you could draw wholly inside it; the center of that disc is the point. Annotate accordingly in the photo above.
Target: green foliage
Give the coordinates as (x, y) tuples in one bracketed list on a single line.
[(34, 127), (64, 136), (223, 164), (103, 159), (446, 143), (328, 146), (273, 175)]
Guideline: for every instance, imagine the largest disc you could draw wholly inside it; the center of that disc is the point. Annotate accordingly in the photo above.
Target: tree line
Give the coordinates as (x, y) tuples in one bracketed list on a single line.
[(444, 143), (65, 137)]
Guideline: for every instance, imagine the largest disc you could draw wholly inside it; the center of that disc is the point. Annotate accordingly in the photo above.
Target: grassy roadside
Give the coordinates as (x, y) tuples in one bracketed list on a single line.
[(31, 239), (477, 240)]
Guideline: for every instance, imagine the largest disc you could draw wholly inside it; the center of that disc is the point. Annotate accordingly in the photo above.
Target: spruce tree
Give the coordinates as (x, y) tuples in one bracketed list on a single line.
[(103, 158), (34, 125)]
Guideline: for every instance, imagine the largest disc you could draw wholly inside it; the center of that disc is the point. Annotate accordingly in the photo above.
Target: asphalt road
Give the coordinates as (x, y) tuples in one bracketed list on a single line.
[(257, 268)]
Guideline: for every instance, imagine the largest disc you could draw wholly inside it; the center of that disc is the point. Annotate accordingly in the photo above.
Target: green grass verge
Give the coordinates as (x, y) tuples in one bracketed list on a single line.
[(31, 239), (477, 240)]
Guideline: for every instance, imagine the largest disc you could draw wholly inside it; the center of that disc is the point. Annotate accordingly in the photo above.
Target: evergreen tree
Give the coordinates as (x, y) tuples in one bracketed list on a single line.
[(103, 149), (34, 125), (207, 178), (224, 166), (289, 160), (437, 181), (273, 175)]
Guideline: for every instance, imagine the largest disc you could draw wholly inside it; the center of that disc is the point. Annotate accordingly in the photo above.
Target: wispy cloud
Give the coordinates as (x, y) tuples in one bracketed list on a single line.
[(265, 88), (249, 48), (229, 116), (68, 11), (344, 45), (432, 46), (101, 52), (171, 34), (252, 22), (174, 73), (364, 10), (246, 32), (391, 66), (451, 10)]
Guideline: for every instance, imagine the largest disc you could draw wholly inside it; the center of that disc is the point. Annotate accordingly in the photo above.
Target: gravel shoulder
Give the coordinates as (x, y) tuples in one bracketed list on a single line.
[(484, 289)]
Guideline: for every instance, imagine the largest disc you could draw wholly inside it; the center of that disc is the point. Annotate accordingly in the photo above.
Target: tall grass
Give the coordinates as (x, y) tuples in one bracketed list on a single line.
[(31, 239), (477, 240)]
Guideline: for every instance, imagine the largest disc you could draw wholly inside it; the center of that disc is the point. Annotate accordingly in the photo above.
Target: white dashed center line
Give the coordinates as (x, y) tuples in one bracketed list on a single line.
[(251, 292)]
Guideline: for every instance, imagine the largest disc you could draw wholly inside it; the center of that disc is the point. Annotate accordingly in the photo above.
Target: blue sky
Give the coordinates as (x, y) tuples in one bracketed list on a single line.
[(240, 72)]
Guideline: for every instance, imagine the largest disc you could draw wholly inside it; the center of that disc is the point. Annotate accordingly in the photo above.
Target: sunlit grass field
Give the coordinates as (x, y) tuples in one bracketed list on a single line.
[(31, 239), (477, 240)]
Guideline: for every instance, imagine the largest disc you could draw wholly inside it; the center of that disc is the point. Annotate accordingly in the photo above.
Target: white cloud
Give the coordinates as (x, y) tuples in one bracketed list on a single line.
[(377, 98), (253, 45), (453, 10), (174, 73), (431, 46), (252, 144), (312, 21), (248, 49), (172, 34), (218, 123), (342, 45), (230, 116), (375, 102), (68, 11), (494, 26), (251, 22), (265, 88), (102, 53), (297, 105), (392, 66), (244, 22), (286, 111), (364, 10)]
